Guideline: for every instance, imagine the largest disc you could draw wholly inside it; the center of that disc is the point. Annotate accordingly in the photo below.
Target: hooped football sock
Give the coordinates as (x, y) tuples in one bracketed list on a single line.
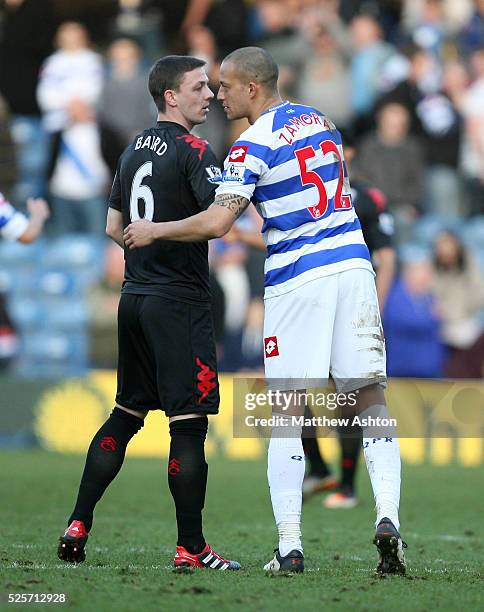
[(317, 465), (187, 479), (285, 473), (382, 456), (104, 460)]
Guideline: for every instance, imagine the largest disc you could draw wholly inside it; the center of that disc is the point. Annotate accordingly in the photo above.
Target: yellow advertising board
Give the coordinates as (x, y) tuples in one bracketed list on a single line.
[(69, 413)]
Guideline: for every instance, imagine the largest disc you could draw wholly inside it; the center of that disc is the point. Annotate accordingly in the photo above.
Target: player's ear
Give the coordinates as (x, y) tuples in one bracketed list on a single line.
[(252, 89), (170, 98)]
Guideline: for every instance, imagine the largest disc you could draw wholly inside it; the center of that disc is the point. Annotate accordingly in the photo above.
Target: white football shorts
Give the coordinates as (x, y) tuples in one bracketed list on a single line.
[(328, 326)]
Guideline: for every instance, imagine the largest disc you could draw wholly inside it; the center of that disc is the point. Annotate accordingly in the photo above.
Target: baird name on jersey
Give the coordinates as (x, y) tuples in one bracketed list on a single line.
[(154, 143)]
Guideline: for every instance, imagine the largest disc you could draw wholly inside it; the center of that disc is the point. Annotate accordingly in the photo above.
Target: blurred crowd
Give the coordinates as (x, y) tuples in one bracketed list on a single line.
[(405, 78)]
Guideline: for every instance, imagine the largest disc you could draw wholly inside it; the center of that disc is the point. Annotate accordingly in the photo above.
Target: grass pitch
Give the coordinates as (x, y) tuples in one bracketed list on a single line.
[(132, 543)]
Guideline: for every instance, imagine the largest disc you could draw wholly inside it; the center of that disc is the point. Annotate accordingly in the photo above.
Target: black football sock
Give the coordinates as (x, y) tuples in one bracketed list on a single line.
[(187, 479), (317, 465), (350, 453), (104, 460)]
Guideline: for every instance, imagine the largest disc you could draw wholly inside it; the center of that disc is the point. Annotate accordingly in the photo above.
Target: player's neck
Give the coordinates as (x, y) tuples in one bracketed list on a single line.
[(175, 117), (261, 108)]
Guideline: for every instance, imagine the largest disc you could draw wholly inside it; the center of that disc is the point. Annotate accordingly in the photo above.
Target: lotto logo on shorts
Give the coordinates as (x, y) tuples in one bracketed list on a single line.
[(270, 346), (237, 154)]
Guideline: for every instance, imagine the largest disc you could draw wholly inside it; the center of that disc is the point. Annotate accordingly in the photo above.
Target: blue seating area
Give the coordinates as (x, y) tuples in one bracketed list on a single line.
[(47, 286), (426, 230)]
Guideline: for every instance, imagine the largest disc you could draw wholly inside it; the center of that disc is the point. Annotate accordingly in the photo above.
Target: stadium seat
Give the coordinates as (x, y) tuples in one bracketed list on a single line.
[(479, 255), (27, 314), (7, 281), (52, 354), (412, 251), (425, 231), (66, 315), (473, 233), (77, 253), (57, 283), (15, 254)]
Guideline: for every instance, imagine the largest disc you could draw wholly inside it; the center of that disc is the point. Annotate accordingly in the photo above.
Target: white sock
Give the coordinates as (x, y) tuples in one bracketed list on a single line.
[(285, 473), (382, 456)]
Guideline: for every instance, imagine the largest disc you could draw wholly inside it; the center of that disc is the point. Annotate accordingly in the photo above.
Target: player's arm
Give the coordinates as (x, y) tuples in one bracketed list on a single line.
[(114, 220), (214, 222), (249, 238), (380, 231), (38, 215), (385, 273), (114, 226)]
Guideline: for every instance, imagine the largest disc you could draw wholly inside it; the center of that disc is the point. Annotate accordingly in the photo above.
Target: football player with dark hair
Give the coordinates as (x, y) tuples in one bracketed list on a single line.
[(165, 332)]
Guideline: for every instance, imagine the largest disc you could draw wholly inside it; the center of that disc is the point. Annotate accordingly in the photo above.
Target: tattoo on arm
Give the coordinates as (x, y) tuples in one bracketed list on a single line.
[(237, 204)]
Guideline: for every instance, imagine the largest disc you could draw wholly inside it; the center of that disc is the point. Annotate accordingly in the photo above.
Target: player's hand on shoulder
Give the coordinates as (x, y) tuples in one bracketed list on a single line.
[(139, 234), (38, 208)]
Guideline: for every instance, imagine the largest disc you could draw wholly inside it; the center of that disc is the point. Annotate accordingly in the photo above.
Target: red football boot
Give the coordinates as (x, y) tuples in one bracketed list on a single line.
[(207, 559), (72, 543)]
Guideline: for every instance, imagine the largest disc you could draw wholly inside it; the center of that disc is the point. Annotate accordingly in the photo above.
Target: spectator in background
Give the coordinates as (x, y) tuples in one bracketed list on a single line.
[(473, 149), (225, 18), (25, 40), (422, 79), (456, 14), (442, 124), (279, 36), (202, 44), (73, 72), (69, 89), (377, 223), (431, 28), (325, 80), (472, 36), (139, 20), (411, 324), (391, 160), (95, 15), (227, 262), (436, 121), (125, 105), (16, 226), (459, 290), (370, 53)]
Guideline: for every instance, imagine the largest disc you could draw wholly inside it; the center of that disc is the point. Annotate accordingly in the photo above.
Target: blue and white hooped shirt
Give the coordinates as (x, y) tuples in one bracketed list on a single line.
[(290, 164)]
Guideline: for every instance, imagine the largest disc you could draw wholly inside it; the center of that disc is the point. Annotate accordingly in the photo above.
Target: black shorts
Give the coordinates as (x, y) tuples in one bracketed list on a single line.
[(166, 356)]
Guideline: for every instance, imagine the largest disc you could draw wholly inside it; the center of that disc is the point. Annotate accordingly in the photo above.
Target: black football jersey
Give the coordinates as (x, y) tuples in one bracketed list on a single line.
[(376, 222), (166, 174)]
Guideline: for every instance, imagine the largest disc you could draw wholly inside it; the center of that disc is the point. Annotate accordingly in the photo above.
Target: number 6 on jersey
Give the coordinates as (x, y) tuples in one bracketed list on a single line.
[(141, 192)]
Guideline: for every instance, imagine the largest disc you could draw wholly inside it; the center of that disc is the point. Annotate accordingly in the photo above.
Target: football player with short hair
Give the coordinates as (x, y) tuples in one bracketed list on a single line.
[(321, 306), (166, 356)]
